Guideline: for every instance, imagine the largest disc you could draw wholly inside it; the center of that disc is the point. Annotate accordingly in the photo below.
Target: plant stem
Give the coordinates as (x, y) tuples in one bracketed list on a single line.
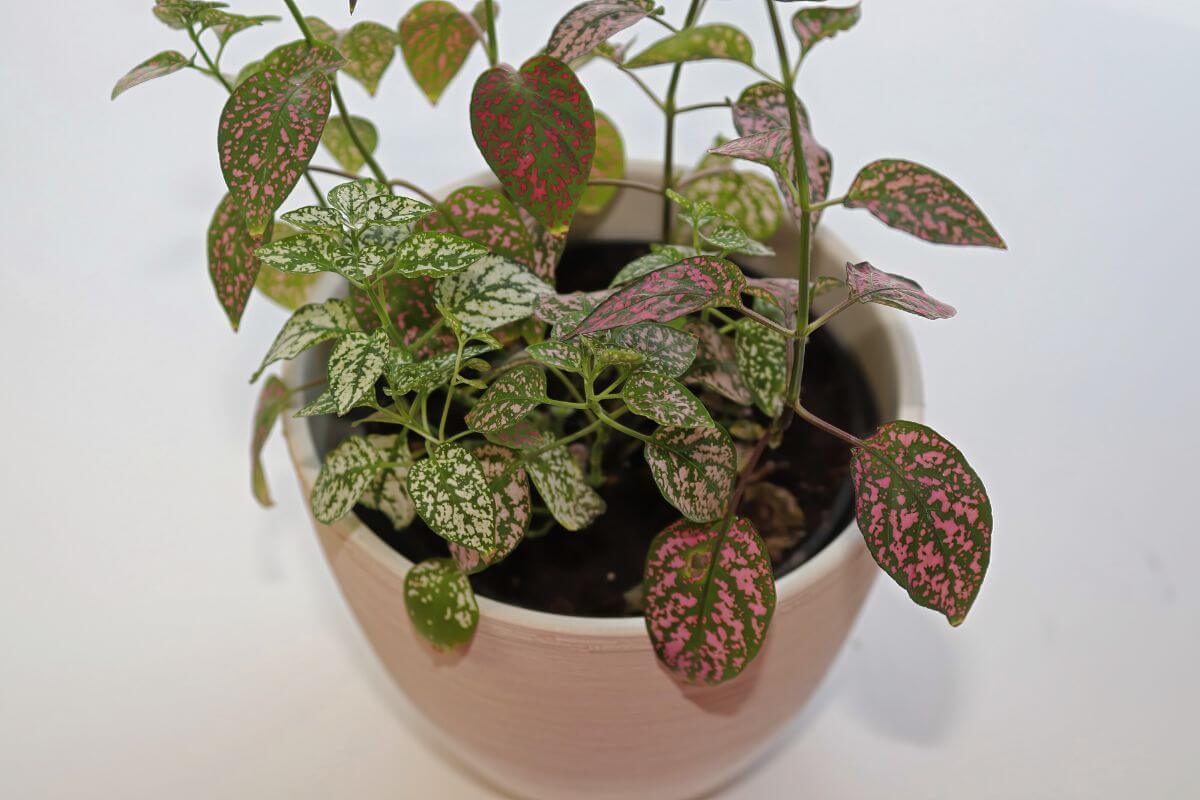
[(641, 84), (212, 65), (767, 322), (705, 173), (450, 390), (828, 427), (316, 190), (701, 106), (493, 50), (834, 201), (669, 111), (828, 315), (412, 187), (427, 335), (300, 22)]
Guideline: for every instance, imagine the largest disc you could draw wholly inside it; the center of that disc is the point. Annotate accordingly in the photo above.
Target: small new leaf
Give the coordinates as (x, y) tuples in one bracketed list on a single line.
[(814, 24)]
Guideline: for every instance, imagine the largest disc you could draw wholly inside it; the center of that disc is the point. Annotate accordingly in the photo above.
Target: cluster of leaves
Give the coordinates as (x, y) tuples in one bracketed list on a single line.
[(502, 394)]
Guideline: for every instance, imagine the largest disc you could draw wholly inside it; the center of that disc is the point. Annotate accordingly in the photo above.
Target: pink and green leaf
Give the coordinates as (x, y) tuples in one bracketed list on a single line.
[(665, 350), (697, 44), (590, 24), (156, 66), (660, 256), (695, 469), (232, 263), (510, 491), (451, 493), (746, 196), (441, 604), (609, 162), (715, 367), (436, 254), (272, 399), (664, 400), (547, 247), (435, 39), (564, 489), (566, 355), (487, 217), (814, 24), (870, 285), (508, 399), (369, 49), (762, 356)]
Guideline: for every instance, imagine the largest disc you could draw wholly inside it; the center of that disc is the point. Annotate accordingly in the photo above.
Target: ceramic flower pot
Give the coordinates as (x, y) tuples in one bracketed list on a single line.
[(550, 706)]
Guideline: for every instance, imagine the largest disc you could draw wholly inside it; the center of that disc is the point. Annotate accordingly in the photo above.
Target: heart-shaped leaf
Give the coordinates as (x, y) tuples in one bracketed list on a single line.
[(695, 469), (435, 38), (716, 366), (508, 399), (814, 24), (917, 200), (492, 292), (441, 603), (487, 217), (564, 488), (590, 24), (664, 400), (609, 162), (271, 402), (308, 326), (924, 514), (357, 361), (536, 130), (666, 294), (270, 128), (452, 496), (510, 492), (232, 263), (762, 356), (870, 285), (666, 350), (436, 254), (709, 599), (388, 491), (697, 44), (156, 66), (369, 49), (337, 141), (345, 475)]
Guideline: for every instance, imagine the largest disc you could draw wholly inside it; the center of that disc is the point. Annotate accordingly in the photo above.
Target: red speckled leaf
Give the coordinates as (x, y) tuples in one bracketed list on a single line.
[(870, 285), (716, 366), (709, 599), (589, 24), (232, 264), (271, 126), (536, 130), (487, 217), (917, 200), (271, 402), (669, 293), (510, 489), (435, 38), (814, 24), (924, 514)]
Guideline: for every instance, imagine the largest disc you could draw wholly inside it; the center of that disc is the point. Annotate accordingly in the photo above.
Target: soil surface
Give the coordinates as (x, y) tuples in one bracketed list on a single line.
[(802, 502)]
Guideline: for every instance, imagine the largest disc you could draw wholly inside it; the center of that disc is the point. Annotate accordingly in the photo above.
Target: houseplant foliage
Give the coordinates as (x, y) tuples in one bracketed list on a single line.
[(451, 334)]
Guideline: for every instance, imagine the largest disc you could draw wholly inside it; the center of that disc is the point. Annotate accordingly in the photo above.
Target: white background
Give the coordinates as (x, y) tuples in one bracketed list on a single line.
[(161, 636)]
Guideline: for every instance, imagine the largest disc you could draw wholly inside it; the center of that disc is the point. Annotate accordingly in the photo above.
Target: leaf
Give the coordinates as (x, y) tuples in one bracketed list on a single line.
[(354, 199), (536, 130), (272, 399), (548, 247), (762, 356), (590, 24), (369, 49), (524, 435), (695, 469), (487, 217), (436, 254), (709, 599), (781, 293), (431, 373), (304, 253), (510, 493), (664, 400), (691, 285), (270, 128), (390, 210), (441, 604), (320, 406), (227, 25), (177, 14), (337, 141), (564, 488), (509, 398), (565, 311), (452, 496), (732, 239), (492, 292), (716, 364), (566, 355), (917, 200), (388, 491), (925, 515), (697, 44), (357, 361), (232, 263), (870, 285), (345, 475), (309, 326), (286, 289), (660, 256), (746, 196), (814, 24), (666, 350), (435, 39), (156, 66), (608, 162), (314, 219)]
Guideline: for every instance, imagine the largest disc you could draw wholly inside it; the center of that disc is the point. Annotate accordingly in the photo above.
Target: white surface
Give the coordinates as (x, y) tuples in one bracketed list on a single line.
[(164, 637)]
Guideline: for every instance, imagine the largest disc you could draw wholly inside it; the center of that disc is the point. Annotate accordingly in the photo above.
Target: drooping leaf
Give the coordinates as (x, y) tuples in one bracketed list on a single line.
[(369, 49), (762, 356), (564, 488), (388, 490), (590, 24), (452, 495), (232, 263), (508, 399), (814, 24), (746, 196), (436, 254), (345, 475), (337, 141), (870, 285), (536, 130), (271, 402), (566, 355), (609, 162), (510, 493), (925, 515), (716, 366), (666, 294), (441, 603), (664, 400), (487, 217), (492, 292), (917, 200), (435, 38), (270, 128), (709, 599), (308, 326), (695, 469), (697, 44), (357, 361), (660, 256), (666, 350), (156, 66)]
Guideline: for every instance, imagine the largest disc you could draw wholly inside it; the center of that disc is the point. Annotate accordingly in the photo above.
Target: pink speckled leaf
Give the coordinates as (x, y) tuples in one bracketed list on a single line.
[(870, 285), (508, 399), (716, 366), (814, 24), (487, 217), (917, 200), (510, 490), (665, 350), (369, 49), (924, 514), (547, 247), (271, 401), (435, 38), (664, 400), (563, 487), (565, 311), (709, 599), (232, 264), (589, 24), (669, 293), (536, 129), (271, 126), (695, 469), (156, 66)]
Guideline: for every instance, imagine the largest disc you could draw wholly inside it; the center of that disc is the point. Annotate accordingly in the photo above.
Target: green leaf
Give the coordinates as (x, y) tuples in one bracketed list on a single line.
[(666, 350), (716, 366), (369, 49), (308, 326), (510, 493), (304, 253), (435, 39), (233, 264), (320, 406), (441, 604), (357, 361), (870, 285), (353, 199), (695, 469), (814, 24), (762, 362), (746, 196), (288, 290), (709, 599), (536, 130), (509, 398), (664, 400), (388, 491), (452, 496), (156, 66), (492, 292), (697, 44), (436, 254), (660, 256), (589, 25), (564, 488), (609, 162), (314, 219), (566, 355), (345, 475), (337, 141), (177, 14), (227, 25), (487, 217), (271, 402), (732, 239), (431, 373)]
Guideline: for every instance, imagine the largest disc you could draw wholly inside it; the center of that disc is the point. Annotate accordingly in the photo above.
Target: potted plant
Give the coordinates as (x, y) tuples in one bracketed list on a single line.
[(521, 388)]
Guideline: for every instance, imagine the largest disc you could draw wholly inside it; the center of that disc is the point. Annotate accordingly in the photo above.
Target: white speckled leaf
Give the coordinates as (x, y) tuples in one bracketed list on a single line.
[(452, 496), (350, 199), (319, 406), (564, 489), (732, 239), (666, 350), (508, 399), (762, 362), (356, 362), (664, 400), (510, 491), (566, 355), (814, 24), (492, 292), (716, 366), (441, 603), (308, 326), (314, 219), (436, 254), (345, 475), (695, 469), (395, 210), (388, 491), (748, 197), (304, 253), (404, 376)]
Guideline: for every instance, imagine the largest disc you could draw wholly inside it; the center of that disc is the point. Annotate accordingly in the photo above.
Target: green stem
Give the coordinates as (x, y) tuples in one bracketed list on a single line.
[(641, 84), (427, 335), (550, 401), (669, 111), (767, 322), (701, 107), (450, 390), (301, 22), (212, 65), (834, 201), (817, 323), (316, 190), (354, 137), (493, 49), (626, 183)]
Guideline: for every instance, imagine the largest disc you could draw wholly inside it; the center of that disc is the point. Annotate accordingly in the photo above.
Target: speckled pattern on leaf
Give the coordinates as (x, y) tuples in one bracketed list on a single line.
[(695, 469), (716, 366), (452, 496), (492, 292), (509, 398), (345, 475), (435, 38), (814, 24), (369, 49), (870, 285), (709, 599), (660, 256), (762, 356), (441, 603), (561, 483), (697, 44), (664, 400), (666, 350), (309, 325), (547, 247), (484, 216), (271, 401), (924, 514), (746, 196), (566, 355), (337, 141), (232, 263), (589, 24), (156, 66), (357, 361), (436, 254), (510, 491)]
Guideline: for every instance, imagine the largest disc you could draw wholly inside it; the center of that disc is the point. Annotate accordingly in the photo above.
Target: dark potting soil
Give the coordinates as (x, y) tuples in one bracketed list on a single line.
[(802, 502)]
